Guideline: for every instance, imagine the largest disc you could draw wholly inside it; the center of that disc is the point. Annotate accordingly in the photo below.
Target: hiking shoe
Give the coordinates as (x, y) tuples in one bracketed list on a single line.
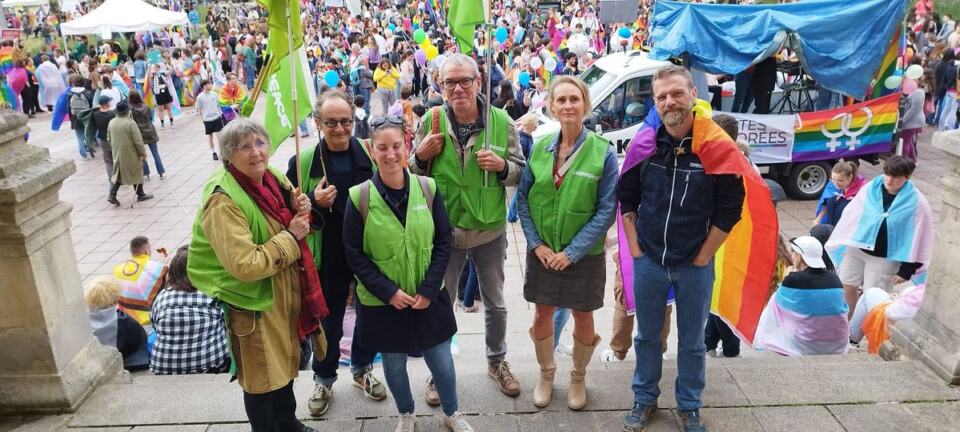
[(690, 421), (113, 200), (144, 197), (371, 386), (639, 417), (319, 401), (406, 423), (500, 372), (457, 422), (433, 398)]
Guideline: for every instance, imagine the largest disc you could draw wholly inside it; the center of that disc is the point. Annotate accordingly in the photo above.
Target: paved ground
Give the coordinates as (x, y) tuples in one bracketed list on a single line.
[(756, 392)]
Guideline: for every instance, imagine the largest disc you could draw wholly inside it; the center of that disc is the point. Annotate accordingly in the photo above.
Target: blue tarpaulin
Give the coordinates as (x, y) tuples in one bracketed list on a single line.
[(841, 42)]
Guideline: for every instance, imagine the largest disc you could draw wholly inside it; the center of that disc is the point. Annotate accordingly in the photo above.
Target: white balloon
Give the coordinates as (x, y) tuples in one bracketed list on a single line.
[(578, 44), (914, 72), (535, 63), (438, 60), (551, 64)]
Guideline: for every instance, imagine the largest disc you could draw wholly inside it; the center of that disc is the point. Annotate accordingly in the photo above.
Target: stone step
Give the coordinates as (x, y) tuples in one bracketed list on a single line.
[(213, 399)]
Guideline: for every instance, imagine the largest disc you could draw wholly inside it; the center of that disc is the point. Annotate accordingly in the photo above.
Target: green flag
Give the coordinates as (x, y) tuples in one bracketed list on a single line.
[(463, 18), (278, 118), (278, 39)]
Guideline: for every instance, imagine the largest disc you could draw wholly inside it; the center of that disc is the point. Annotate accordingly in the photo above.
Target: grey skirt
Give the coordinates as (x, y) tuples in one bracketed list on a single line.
[(578, 287)]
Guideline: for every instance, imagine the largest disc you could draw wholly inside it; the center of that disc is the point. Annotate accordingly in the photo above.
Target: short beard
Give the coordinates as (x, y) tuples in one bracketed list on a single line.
[(675, 117)]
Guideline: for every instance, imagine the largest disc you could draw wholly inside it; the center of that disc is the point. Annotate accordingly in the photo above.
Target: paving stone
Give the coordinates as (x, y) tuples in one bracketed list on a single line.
[(797, 419), (936, 417), (662, 421), (210, 402), (171, 428), (111, 429), (730, 420), (424, 424), (33, 423), (874, 418), (553, 422), (335, 425)]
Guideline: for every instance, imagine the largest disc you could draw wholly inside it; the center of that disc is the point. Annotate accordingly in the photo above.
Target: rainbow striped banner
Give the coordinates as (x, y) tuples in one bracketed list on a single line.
[(6, 59), (889, 65), (863, 128)]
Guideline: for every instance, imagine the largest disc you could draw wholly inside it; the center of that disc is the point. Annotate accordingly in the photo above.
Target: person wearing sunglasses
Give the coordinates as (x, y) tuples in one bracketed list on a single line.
[(249, 252), (567, 202), (472, 179), (398, 241), (337, 163)]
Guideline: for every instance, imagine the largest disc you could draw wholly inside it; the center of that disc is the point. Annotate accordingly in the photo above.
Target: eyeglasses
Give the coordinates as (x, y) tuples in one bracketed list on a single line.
[(345, 123), (465, 83), (380, 121)]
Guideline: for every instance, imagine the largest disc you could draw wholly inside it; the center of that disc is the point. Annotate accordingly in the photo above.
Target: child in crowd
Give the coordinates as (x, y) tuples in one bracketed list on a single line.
[(843, 186), (361, 125), (113, 327), (209, 106)]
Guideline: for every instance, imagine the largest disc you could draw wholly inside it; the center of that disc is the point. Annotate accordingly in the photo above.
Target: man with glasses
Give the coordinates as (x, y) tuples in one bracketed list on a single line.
[(338, 162), (472, 180)]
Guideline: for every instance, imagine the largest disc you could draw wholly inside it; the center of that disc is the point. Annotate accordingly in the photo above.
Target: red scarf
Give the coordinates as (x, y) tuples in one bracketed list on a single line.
[(268, 198)]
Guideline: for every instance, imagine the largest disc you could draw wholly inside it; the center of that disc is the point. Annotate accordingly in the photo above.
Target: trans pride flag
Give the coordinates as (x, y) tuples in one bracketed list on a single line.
[(864, 128), (746, 261), (805, 320)]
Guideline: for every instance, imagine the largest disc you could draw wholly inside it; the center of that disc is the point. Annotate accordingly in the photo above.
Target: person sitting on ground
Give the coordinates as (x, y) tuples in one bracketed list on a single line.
[(807, 315), (843, 186), (191, 337), (877, 310), (140, 279), (112, 326)]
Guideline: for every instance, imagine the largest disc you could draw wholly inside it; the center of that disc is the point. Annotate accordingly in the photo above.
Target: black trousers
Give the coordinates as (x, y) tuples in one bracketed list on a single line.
[(718, 331), (115, 187), (273, 411), (326, 368)]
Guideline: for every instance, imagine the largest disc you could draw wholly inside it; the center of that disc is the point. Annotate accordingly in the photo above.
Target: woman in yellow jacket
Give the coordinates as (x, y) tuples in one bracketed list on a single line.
[(387, 78)]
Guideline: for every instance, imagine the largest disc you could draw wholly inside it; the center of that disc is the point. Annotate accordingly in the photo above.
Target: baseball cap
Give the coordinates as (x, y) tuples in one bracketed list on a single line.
[(104, 99), (810, 250)]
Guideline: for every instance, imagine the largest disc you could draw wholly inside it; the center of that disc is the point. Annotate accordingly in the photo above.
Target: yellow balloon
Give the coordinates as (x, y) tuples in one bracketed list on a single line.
[(426, 43), (431, 52)]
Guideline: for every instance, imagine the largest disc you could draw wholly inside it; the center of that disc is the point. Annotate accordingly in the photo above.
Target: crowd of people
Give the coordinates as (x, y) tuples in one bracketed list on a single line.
[(403, 216)]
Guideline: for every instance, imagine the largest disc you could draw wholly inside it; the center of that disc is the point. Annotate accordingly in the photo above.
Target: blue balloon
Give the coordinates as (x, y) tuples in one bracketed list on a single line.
[(332, 78), (416, 26), (501, 34), (392, 27), (624, 32), (524, 79)]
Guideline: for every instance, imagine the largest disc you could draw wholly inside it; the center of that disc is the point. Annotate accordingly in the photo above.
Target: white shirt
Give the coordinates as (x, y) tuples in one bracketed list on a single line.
[(209, 106)]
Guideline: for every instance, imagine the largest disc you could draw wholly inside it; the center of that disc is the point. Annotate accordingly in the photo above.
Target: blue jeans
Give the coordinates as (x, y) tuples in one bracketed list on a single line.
[(365, 92), (512, 215), (439, 361), (471, 285), (694, 287), (81, 141), (560, 318), (156, 161)]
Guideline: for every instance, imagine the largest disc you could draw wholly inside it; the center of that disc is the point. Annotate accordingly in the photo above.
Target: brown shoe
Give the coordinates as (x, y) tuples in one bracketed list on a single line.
[(500, 372), (433, 398)]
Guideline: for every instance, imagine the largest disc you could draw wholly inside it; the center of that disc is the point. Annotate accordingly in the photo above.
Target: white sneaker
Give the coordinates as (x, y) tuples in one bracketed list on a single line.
[(607, 356), (406, 423), (457, 422), (563, 350)]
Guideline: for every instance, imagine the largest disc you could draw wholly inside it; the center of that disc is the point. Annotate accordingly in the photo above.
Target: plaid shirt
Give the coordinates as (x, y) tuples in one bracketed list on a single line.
[(191, 337)]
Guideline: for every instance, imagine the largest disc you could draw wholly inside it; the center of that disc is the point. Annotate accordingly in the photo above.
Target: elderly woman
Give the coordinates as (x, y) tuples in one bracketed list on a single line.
[(128, 153), (567, 203), (400, 262), (248, 252)]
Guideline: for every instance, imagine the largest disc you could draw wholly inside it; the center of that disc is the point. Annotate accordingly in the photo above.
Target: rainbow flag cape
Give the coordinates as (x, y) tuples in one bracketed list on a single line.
[(231, 95), (8, 97), (61, 111), (863, 128), (745, 263), (141, 280), (150, 100), (6, 59)]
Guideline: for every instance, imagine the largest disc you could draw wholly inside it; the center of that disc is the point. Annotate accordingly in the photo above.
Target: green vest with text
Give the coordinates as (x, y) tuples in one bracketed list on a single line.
[(470, 202), (401, 252), (559, 214), (204, 268)]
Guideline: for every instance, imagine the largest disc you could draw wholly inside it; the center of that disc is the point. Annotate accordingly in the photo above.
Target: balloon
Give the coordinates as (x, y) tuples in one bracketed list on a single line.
[(550, 64), (438, 60), (892, 82), (420, 56), (392, 27), (578, 45), (523, 79), (332, 78), (431, 52), (518, 36), (909, 86), (898, 73), (419, 35), (501, 34), (426, 42), (536, 63), (914, 72), (416, 26), (624, 32)]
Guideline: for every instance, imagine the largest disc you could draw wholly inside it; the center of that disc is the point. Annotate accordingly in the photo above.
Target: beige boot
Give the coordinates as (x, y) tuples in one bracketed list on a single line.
[(582, 354), (543, 392)]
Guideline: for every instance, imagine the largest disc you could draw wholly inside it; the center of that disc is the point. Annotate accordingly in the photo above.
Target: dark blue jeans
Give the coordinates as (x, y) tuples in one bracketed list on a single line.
[(156, 161), (694, 287), (470, 284)]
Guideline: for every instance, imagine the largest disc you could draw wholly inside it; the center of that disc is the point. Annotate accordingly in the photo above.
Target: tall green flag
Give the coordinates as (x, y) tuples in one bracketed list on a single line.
[(463, 18), (278, 117), (278, 39)]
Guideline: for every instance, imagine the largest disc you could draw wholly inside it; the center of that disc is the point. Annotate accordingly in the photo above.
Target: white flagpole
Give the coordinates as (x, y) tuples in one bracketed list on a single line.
[(488, 35)]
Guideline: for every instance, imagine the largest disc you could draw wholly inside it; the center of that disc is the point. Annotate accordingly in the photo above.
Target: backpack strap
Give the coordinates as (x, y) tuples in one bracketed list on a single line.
[(427, 193), (364, 201)]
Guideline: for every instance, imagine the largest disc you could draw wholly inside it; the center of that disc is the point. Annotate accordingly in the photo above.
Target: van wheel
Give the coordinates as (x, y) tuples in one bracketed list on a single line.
[(807, 180)]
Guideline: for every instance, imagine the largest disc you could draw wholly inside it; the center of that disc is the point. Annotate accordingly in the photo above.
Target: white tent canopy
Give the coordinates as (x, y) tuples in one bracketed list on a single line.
[(19, 3), (121, 16)]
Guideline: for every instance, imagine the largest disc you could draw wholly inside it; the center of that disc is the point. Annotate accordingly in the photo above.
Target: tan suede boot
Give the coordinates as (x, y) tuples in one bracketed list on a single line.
[(582, 354), (543, 392)]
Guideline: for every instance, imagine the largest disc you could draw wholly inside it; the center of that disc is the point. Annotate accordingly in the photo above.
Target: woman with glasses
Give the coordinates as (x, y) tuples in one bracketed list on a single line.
[(398, 241), (337, 163), (567, 203)]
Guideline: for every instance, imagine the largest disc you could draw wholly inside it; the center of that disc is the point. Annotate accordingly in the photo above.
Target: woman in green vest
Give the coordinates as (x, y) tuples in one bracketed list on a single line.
[(567, 203), (248, 252), (398, 240)]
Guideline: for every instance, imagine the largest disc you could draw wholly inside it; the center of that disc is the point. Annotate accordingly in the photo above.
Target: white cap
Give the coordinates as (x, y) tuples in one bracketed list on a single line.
[(810, 250)]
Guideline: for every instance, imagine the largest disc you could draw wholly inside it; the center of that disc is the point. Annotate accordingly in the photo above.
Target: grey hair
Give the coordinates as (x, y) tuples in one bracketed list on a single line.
[(460, 59), (235, 132)]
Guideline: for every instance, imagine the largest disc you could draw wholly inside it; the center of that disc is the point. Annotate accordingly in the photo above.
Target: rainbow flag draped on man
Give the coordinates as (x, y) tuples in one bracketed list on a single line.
[(746, 261)]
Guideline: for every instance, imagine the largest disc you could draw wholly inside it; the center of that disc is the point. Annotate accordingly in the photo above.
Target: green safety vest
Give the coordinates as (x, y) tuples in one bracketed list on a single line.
[(559, 214), (204, 268), (470, 203), (315, 238), (401, 252)]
